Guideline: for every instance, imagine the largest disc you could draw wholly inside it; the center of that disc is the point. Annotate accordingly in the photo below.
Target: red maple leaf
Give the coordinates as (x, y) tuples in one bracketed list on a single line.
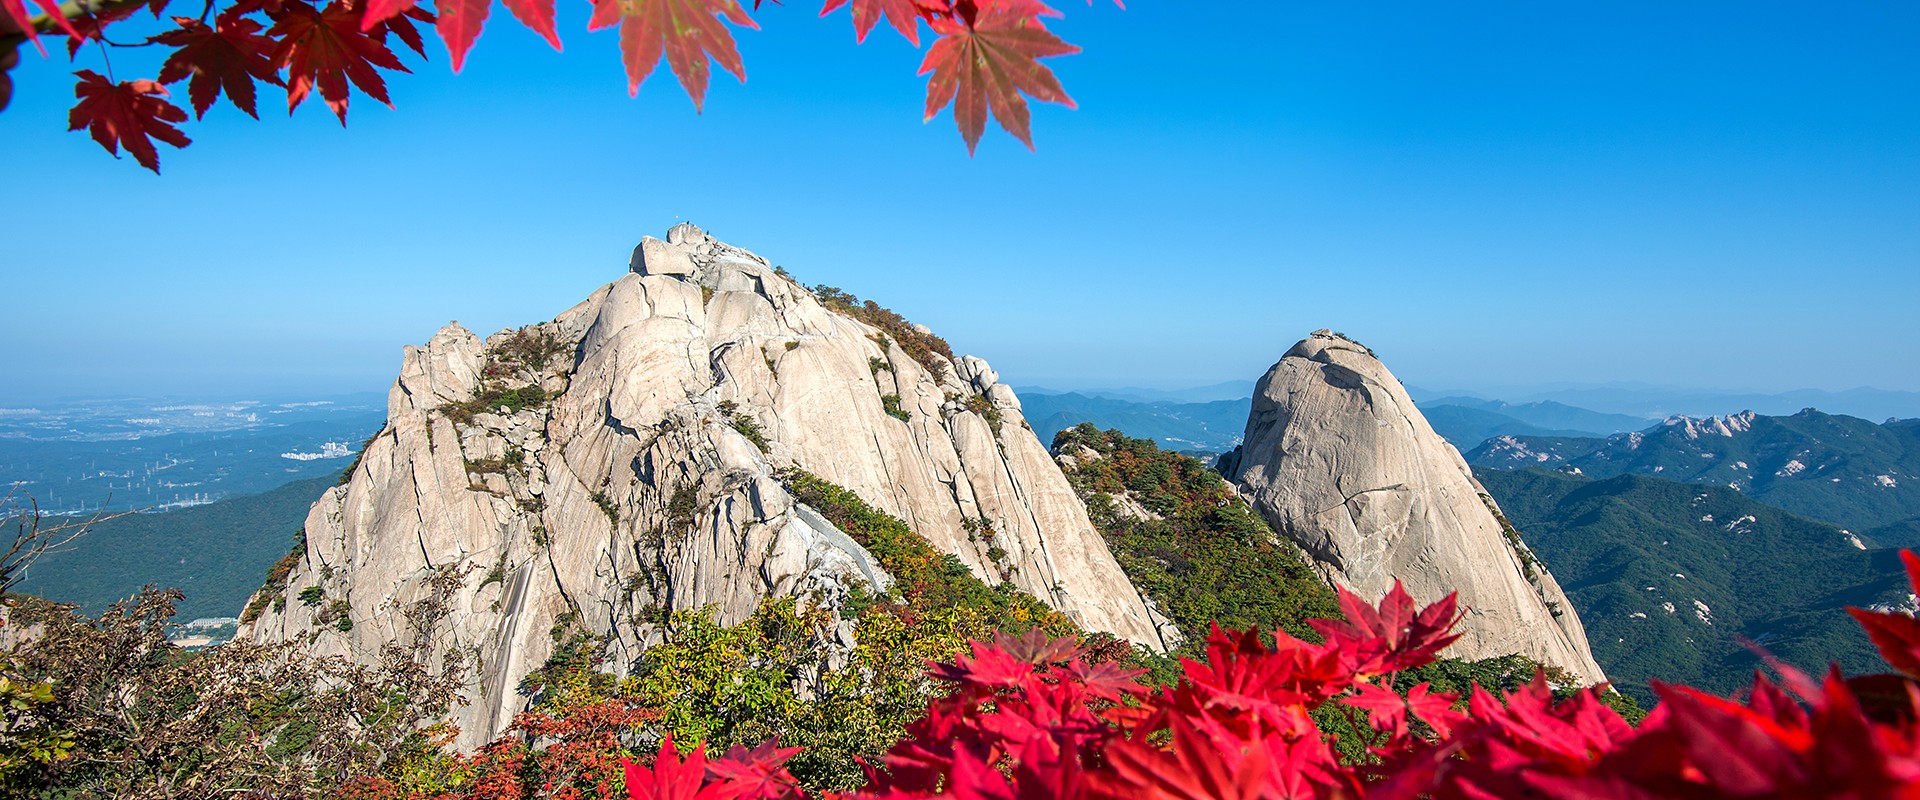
[(989, 669), (905, 15), (230, 56), (126, 114), (1036, 647), (757, 774), (1897, 635), (326, 49), (1197, 767), (1386, 710), (984, 61), (1435, 709), (401, 25), (22, 19), (1392, 637), (974, 779), (460, 21), (686, 32), (1737, 750), (1106, 680), (670, 778)]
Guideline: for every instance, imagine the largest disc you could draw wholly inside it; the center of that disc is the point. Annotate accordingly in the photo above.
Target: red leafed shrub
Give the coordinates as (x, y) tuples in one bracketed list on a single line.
[(572, 753), (1031, 718)]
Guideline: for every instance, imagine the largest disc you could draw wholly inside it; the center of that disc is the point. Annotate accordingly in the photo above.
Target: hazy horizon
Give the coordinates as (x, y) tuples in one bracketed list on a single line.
[(16, 400)]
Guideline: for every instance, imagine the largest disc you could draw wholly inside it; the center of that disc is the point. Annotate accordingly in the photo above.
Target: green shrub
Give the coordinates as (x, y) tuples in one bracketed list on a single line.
[(274, 590), (606, 506), (921, 347), (745, 425), (683, 504), (926, 578), (338, 614), (492, 399), (530, 348), (979, 404), (748, 428), (891, 403)]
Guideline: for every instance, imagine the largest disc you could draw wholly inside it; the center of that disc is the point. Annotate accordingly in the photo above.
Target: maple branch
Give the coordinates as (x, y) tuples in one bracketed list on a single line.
[(9, 56), (33, 538), (45, 23)]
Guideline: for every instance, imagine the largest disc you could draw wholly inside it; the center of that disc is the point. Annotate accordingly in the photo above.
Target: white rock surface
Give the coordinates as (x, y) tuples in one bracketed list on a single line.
[(474, 536), (1337, 457), (1725, 426)]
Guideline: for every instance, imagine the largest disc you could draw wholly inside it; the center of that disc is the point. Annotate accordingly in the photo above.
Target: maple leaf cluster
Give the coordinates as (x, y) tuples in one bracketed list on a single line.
[(1033, 718), (984, 60)]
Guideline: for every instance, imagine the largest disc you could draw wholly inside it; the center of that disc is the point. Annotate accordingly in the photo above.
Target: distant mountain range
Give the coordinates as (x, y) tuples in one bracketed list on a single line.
[(1197, 419), (1659, 402), (1844, 470), (1546, 415), (1669, 577), (1466, 421), (1225, 390), (1213, 427), (1216, 426)]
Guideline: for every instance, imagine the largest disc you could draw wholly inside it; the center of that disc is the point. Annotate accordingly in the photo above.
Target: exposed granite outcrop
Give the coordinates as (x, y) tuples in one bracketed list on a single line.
[(1337, 457), (593, 471)]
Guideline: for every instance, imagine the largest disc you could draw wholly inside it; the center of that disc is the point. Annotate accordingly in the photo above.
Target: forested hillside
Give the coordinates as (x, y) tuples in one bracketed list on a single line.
[(214, 553), (1671, 577), (1212, 426)]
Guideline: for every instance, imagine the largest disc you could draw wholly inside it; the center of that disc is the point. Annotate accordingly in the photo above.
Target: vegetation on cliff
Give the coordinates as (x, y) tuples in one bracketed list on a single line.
[(1200, 551)]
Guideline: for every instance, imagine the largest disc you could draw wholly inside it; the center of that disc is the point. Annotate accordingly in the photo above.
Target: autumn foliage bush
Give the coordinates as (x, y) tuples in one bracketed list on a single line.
[(1031, 718)]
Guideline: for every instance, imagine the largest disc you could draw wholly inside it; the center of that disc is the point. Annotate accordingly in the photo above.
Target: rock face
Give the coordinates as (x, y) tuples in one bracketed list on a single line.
[(590, 471), (1337, 457), (1726, 426)]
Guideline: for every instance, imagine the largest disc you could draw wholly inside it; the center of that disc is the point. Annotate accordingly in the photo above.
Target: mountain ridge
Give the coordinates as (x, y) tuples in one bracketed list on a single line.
[(1836, 468)]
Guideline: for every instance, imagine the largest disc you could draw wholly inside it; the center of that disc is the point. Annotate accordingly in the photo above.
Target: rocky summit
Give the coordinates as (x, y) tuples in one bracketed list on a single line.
[(1337, 458), (627, 458)]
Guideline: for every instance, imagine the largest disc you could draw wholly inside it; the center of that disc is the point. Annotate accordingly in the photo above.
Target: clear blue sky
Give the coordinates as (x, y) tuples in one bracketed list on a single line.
[(1721, 195)]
